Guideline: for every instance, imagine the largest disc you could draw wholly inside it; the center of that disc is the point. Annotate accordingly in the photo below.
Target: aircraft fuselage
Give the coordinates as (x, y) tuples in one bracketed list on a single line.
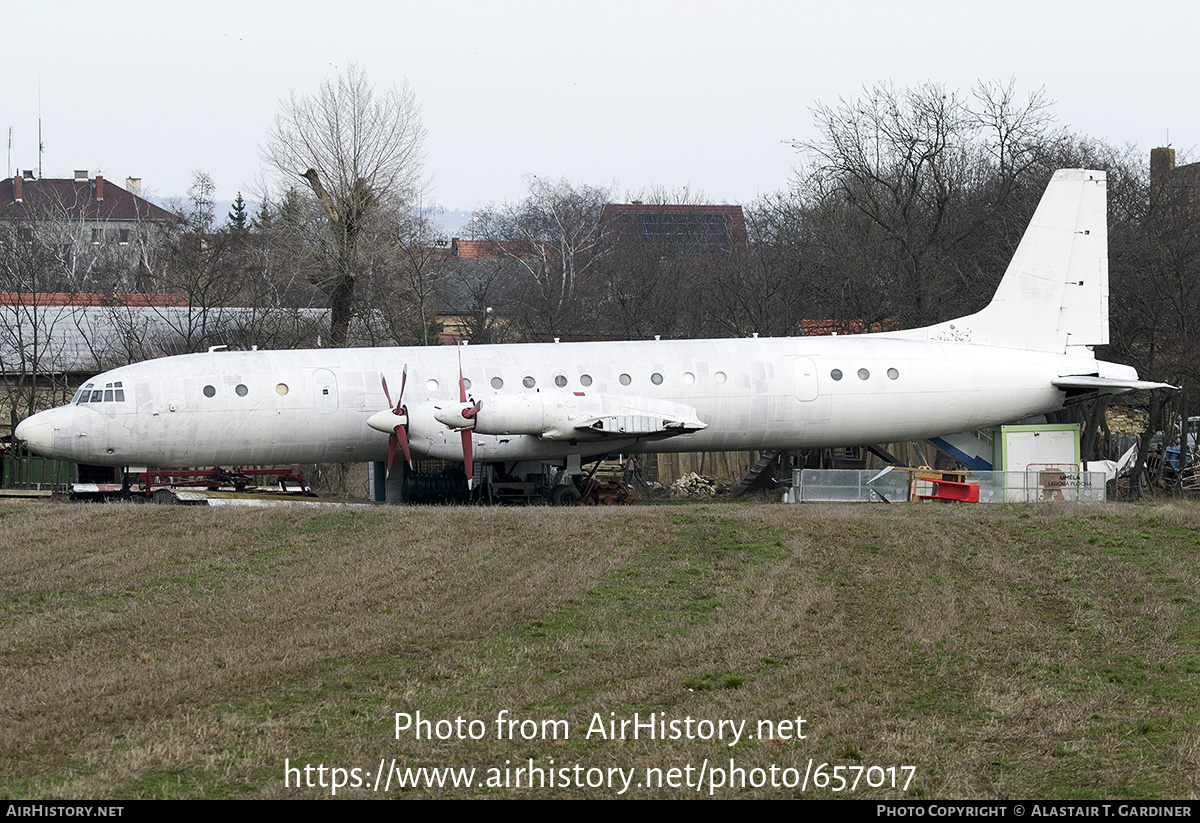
[(1019, 356), (266, 407)]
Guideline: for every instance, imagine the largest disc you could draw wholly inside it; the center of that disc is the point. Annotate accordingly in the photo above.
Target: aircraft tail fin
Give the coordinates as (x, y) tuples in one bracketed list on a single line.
[(1054, 294)]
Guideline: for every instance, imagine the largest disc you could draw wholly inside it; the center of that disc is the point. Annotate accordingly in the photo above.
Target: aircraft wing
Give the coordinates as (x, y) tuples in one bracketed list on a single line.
[(577, 416), (639, 425)]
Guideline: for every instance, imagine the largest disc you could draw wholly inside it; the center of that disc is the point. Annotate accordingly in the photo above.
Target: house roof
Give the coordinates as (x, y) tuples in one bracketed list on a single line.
[(704, 229), (86, 339), (64, 299), (491, 249), (94, 199)]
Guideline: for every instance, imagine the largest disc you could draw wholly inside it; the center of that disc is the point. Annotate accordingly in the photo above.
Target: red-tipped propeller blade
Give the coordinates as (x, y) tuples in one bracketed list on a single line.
[(399, 435), (468, 456), (462, 387), (402, 435)]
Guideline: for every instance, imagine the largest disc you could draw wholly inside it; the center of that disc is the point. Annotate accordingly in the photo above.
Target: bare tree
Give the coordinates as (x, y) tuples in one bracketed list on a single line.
[(1154, 261), (402, 272), (925, 169), (555, 236), (29, 268), (361, 155)]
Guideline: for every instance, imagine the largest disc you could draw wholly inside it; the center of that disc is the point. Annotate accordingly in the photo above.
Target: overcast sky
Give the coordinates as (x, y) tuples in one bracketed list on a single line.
[(677, 94)]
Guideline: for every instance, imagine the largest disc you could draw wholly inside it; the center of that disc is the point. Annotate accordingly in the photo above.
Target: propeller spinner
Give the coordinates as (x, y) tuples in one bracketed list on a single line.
[(394, 422)]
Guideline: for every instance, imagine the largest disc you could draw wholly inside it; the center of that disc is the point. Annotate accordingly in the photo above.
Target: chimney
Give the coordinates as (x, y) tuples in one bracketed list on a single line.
[(17, 188), (99, 187), (1162, 163), (134, 186)]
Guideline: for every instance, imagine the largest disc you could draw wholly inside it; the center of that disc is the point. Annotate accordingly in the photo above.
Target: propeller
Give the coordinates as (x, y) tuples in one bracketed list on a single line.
[(469, 413), (394, 422), (399, 434)]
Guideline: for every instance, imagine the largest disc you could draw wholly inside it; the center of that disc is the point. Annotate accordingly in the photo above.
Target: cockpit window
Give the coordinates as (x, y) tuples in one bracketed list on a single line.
[(111, 393)]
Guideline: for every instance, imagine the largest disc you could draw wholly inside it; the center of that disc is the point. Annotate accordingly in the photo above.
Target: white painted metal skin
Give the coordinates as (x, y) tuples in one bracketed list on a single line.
[(546, 402)]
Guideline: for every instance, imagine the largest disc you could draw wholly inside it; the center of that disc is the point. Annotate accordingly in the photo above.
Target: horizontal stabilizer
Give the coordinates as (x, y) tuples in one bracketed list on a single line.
[(1108, 385)]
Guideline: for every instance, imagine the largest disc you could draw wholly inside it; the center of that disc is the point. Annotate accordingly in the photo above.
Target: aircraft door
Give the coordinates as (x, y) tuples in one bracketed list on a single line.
[(325, 393), (804, 375)]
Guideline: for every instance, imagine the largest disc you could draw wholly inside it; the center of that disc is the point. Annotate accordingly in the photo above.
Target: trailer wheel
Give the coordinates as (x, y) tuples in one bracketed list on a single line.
[(565, 495)]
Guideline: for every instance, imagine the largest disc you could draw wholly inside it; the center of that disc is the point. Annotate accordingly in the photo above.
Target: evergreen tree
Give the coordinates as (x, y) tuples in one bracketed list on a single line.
[(239, 222), (261, 222)]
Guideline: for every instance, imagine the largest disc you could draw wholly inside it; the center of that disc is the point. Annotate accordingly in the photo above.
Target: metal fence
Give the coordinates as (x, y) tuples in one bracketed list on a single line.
[(1042, 483), (25, 472)]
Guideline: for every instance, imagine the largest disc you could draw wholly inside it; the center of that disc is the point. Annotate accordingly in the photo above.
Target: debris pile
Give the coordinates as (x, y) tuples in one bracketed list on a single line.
[(695, 485), (1126, 419)]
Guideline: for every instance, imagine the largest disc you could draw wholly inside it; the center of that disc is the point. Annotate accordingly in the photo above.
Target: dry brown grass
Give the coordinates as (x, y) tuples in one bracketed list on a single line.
[(1004, 651)]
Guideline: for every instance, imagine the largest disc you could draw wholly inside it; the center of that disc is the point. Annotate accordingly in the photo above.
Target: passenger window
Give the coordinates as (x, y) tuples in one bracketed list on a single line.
[(529, 382), (209, 391), (585, 380), (497, 383), (560, 380), (656, 379), (625, 379), (241, 390)]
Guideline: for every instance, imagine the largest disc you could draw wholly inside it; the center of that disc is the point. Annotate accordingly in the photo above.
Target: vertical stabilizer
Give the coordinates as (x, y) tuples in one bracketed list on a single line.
[(1055, 291)]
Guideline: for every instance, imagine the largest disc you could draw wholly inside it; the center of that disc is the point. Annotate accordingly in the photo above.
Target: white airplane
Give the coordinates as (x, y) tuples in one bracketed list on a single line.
[(1026, 353)]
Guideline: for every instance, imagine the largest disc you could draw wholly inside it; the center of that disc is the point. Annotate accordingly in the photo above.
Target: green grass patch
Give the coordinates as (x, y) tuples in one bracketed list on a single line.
[(1029, 651)]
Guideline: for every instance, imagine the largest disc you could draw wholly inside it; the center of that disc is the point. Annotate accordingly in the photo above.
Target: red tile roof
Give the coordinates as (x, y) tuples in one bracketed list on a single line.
[(490, 249), (74, 199)]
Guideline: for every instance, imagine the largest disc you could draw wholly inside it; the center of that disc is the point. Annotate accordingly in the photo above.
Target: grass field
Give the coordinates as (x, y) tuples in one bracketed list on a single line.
[(1000, 651)]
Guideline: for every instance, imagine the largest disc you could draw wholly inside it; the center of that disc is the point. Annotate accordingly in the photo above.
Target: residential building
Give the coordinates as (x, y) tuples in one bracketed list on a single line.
[(81, 234), (677, 229)]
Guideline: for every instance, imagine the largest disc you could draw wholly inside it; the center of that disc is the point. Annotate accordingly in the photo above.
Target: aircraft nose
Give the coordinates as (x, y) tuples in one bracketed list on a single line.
[(37, 432), (45, 429)]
